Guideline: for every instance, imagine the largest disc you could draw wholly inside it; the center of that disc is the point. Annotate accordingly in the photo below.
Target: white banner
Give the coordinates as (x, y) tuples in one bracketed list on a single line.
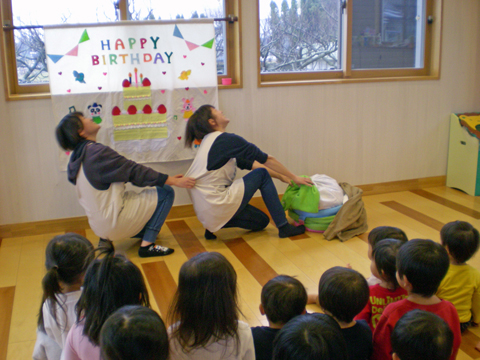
[(140, 81)]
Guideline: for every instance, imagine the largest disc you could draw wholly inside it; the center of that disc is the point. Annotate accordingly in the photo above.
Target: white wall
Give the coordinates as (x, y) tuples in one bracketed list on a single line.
[(360, 133)]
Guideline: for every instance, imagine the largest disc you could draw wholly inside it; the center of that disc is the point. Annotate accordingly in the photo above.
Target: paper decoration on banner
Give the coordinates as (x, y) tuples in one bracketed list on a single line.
[(135, 81)]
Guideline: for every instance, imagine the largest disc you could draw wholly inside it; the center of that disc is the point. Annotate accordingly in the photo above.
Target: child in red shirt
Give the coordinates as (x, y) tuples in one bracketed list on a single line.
[(383, 267), (421, 266)]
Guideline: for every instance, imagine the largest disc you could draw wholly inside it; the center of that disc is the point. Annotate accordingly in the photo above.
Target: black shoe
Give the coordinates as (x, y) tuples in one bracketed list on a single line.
[(288, 230), (209, 235), (104, 243), (154, 250)]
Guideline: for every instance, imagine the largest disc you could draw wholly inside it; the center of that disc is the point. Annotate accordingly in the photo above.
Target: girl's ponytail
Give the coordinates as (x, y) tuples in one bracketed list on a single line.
[(51, 288), (111, 281), (66, 259)]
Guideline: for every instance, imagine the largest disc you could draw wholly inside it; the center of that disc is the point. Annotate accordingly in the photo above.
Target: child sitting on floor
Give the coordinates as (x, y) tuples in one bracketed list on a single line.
[(283, 298), (66, 259), (378, 234), (310, 337), (110, 283), (421, 266), (205, 312), (383, 267), (342, 294), (461, 285), (421, 334), (134, 332)]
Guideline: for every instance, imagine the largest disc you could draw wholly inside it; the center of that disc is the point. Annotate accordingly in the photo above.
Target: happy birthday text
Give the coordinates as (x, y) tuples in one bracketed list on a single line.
[(132, 58)]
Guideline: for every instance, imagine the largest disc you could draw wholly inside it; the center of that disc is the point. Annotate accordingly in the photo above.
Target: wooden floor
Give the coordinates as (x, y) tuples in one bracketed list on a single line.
[(256, 257)]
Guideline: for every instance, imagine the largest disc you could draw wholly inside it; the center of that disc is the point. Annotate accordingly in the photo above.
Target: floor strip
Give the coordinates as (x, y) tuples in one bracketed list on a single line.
[(161, 283), (7, 295), (185, 238), (449, 203), (253, 262), (414, 214), (469, 341)]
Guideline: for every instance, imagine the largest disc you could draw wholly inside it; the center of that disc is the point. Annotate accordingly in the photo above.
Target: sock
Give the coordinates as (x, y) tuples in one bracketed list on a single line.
[(288, 230), (209, 235)]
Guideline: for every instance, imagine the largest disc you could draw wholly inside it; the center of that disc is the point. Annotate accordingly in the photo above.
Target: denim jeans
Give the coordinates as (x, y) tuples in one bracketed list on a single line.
[(166, 195), (248, 216)]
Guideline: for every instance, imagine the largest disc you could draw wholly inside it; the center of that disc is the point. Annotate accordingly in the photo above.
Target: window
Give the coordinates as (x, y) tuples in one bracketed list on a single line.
[(24, 51), (312, 41)]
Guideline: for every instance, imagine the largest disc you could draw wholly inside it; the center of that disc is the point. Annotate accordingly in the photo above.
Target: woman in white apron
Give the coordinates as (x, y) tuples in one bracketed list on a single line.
[(219, 200)]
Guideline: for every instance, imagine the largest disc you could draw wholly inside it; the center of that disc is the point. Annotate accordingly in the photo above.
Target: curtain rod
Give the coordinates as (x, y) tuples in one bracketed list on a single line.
[(230, 18)]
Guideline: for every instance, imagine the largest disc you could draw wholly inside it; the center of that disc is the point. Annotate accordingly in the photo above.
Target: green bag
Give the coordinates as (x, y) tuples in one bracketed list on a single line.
[(304, 198), (315, 224)]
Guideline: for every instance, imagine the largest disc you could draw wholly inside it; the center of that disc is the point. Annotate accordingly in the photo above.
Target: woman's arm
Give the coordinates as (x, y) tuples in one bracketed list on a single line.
[(273, 174), (277, 166)]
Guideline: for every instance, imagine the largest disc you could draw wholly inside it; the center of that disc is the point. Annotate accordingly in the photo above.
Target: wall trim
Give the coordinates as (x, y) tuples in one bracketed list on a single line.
[(183, 211)]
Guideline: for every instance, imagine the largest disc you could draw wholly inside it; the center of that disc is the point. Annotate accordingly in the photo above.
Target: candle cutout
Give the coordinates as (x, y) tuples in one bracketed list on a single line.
[(141, 78), (136, 78), (130, 78)]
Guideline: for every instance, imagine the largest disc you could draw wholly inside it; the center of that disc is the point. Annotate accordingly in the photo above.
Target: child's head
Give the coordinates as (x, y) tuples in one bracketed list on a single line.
[(343, 293), (110, 283), (424, 263), (205, 303), (384, 232), (73, 129), (384, 258), (66, 259), (310, 337), (420, 334), (283, 298), (460, 239), (134, 332), (198, 125)]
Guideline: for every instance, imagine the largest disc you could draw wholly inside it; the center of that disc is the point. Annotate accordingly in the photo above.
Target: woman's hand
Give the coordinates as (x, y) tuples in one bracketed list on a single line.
[(180, 181), (302, 181)]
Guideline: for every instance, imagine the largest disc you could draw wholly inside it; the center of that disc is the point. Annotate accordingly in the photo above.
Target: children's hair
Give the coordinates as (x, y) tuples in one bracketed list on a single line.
[(110, 283), (66, 259), (310, 337), (134, 332), (385, 256), (425, 263), (385, 232), (343, 293), (420, 334), (283, 298), (205, 304), (67, 131), (461, 238), (198, 125)]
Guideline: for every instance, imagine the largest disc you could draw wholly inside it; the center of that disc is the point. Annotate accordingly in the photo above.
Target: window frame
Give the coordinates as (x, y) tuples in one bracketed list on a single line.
[(15, 91), (430, 71)]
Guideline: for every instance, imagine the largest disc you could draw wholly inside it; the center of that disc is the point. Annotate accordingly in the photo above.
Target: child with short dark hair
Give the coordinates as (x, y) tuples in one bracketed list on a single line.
[(342, 294), (383, 267), (99, 174), (421, 266), (110, 283), (461, 285), (134, 332), (283, 298), (66, 259), (205, 312), (420, 334), (378, 234), (310, 337)]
